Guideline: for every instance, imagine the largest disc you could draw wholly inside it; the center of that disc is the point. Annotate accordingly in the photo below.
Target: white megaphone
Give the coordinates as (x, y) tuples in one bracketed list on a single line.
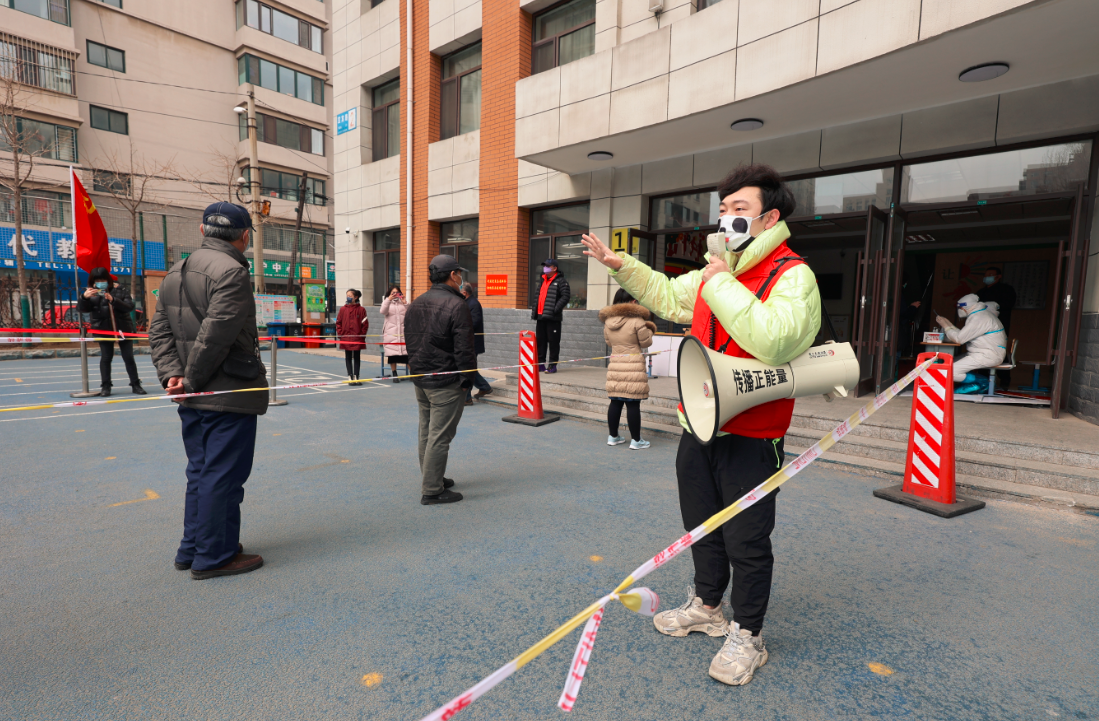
[(714, 387)]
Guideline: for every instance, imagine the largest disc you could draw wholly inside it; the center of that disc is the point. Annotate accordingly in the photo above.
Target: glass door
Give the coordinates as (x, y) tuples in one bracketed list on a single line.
[(867, 330), (643, 246), (892, 279), (1069, 308)]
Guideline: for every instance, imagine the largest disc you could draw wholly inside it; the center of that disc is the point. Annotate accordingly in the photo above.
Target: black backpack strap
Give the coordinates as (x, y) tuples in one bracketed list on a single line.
[(763, 289)]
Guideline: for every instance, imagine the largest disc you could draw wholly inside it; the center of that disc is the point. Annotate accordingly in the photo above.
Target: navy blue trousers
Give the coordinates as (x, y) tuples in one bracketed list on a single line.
[(220, 447)]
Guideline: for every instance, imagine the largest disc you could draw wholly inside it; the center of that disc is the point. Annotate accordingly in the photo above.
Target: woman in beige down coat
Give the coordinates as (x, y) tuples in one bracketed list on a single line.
[(627, 330)]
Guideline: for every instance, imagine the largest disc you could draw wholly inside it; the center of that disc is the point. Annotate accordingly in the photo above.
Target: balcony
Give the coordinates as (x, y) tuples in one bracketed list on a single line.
[(38, 65)]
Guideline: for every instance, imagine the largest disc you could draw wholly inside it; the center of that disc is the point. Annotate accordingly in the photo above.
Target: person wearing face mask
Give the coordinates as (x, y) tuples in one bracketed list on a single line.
[(551, 297), (984, 339), (110, 306), (351, 328), (994, 289), (754, 299)]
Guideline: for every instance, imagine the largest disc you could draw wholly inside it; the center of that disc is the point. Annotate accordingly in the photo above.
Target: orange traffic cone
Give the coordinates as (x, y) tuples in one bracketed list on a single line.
[(929, 466), (530, 389)]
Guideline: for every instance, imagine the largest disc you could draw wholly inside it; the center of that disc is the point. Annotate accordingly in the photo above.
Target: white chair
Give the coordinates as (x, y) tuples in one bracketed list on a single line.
[(1001, 367)]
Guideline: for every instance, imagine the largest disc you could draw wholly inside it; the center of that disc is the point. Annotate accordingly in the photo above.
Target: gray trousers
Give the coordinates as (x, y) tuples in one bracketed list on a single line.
[(440, 411)]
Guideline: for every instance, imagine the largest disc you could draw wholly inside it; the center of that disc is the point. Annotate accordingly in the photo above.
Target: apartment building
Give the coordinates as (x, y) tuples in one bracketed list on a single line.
[(139, 96), (926, 140)]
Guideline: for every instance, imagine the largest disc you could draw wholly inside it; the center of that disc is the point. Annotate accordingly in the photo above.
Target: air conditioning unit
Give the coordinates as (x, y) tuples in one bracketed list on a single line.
[(656, 6)]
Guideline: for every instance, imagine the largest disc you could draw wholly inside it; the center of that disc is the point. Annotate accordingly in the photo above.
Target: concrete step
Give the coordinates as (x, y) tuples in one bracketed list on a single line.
[(655, 416), (1000, 474)]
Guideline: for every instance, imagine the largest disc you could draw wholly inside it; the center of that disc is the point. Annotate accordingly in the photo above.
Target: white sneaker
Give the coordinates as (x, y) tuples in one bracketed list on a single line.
[(638, 445), (691, 616), (615, 440), (737, 661)]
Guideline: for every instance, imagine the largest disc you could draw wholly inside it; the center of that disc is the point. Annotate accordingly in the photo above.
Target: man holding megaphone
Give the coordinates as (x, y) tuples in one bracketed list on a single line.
[(755, 299)]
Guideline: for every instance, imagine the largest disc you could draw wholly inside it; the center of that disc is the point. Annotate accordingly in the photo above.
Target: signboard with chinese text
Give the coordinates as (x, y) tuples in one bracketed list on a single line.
[(281, 269), (347, 121), (276, 309), (46, 250), (496, 284)]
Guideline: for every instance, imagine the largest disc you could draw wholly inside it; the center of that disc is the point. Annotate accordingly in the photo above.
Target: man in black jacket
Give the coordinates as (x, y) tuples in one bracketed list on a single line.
[(478, 315), (204, 338), (438, 331), (551, 297)]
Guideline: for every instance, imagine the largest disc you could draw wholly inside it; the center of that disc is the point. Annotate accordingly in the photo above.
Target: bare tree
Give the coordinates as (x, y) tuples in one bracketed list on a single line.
[(22, 144), (132, 180)]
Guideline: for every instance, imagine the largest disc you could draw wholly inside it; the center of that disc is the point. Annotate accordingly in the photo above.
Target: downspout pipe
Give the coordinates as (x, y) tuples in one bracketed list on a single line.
[(409, 122)]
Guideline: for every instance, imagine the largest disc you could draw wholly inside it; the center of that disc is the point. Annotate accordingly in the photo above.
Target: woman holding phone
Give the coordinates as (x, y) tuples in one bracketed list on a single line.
[(393, 310), (110, 306)]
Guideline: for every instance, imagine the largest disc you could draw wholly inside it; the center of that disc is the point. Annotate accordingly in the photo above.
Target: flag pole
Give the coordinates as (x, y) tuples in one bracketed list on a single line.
[(83, 392)]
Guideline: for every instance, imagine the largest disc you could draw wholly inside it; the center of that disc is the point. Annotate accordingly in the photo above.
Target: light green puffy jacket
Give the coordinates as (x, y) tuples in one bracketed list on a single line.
[(775, 331)]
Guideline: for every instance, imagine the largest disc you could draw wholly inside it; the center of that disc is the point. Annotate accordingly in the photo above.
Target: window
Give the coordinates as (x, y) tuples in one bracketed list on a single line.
[(110, 120), (563, 34), (459, 239), (556, 234), (376, 3), (1048, 169), (282, 25), (267, 74), (32, 63), (55, 10), (387, 261), (460, 107), (113, 3), (847, 193), (387, 120), (106, 57), (276, 184), (44, 140), (104, 181), (703, 4)]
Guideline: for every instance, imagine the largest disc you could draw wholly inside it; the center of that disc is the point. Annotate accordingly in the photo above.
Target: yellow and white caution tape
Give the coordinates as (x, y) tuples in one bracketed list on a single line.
[(683, 543), (181, 396)]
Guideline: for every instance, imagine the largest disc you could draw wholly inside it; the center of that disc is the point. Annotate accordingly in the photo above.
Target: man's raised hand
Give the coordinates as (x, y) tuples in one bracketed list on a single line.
[(598, 250)]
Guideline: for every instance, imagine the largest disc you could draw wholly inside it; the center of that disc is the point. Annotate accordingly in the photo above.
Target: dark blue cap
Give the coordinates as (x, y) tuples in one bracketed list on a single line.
[(227, 215)]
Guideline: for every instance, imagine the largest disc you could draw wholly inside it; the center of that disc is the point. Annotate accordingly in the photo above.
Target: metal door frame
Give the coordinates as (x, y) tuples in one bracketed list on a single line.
[(869, 299)]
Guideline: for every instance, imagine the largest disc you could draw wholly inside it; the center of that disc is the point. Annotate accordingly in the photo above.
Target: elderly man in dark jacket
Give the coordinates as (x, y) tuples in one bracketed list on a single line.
[(550, 300), (204, 338), (438, 332), (478, 314)]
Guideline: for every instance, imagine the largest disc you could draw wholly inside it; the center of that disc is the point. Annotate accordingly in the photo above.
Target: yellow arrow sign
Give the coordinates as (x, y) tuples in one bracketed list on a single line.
[(149, 496)]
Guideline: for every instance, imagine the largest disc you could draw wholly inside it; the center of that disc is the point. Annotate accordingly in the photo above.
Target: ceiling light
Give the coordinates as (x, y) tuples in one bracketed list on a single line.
[(600, 155), (980, 73), (747, 124)]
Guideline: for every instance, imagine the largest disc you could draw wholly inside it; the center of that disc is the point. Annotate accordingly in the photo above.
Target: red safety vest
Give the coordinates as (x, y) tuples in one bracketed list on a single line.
[(769, 420)]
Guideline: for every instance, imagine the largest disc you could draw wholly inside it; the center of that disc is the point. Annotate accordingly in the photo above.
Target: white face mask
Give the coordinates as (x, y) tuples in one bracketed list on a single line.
[(738, 231)]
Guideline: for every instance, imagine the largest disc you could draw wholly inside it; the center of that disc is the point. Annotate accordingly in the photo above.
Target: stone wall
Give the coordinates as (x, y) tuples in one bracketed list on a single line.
[(581, 335), (1083, 392)]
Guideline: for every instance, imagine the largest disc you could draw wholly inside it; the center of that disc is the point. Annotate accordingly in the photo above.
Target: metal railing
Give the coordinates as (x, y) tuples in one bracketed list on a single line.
[(37, 64)]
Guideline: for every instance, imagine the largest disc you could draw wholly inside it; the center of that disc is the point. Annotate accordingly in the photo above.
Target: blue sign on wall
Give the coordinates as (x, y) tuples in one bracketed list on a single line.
[(347, 121), (43, 250)]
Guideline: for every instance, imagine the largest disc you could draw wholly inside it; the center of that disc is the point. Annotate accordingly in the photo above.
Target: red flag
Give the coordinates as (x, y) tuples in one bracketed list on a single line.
[(88, 231)]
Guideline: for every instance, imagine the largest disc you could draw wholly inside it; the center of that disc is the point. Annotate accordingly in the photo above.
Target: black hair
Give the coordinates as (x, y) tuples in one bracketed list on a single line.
[(389, 290), (439, 276), (772, 190), (622, 296), (995, 269), (98, 274), (357, 293)]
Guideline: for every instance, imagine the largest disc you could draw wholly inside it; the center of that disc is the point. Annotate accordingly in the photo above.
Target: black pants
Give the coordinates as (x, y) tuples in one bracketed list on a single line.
[(106, 355), (352, 360), (548, 332), (633, 417), (710, 479)]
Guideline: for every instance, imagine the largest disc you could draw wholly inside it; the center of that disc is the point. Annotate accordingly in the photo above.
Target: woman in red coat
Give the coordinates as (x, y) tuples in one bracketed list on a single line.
[(351, 328)]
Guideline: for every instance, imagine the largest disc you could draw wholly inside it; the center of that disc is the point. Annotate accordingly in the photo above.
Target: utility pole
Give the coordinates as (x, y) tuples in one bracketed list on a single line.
[(295, 252), (254, 181)]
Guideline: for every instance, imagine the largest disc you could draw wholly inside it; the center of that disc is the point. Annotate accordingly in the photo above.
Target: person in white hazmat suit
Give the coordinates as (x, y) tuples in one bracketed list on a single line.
[(984, 339)]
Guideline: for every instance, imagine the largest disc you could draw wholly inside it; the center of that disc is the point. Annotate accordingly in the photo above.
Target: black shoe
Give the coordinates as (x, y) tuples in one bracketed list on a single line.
[(444, 497), (138, 390), (396, 379), (448, 483), (186, 565), (238, 564), (105, 391)]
